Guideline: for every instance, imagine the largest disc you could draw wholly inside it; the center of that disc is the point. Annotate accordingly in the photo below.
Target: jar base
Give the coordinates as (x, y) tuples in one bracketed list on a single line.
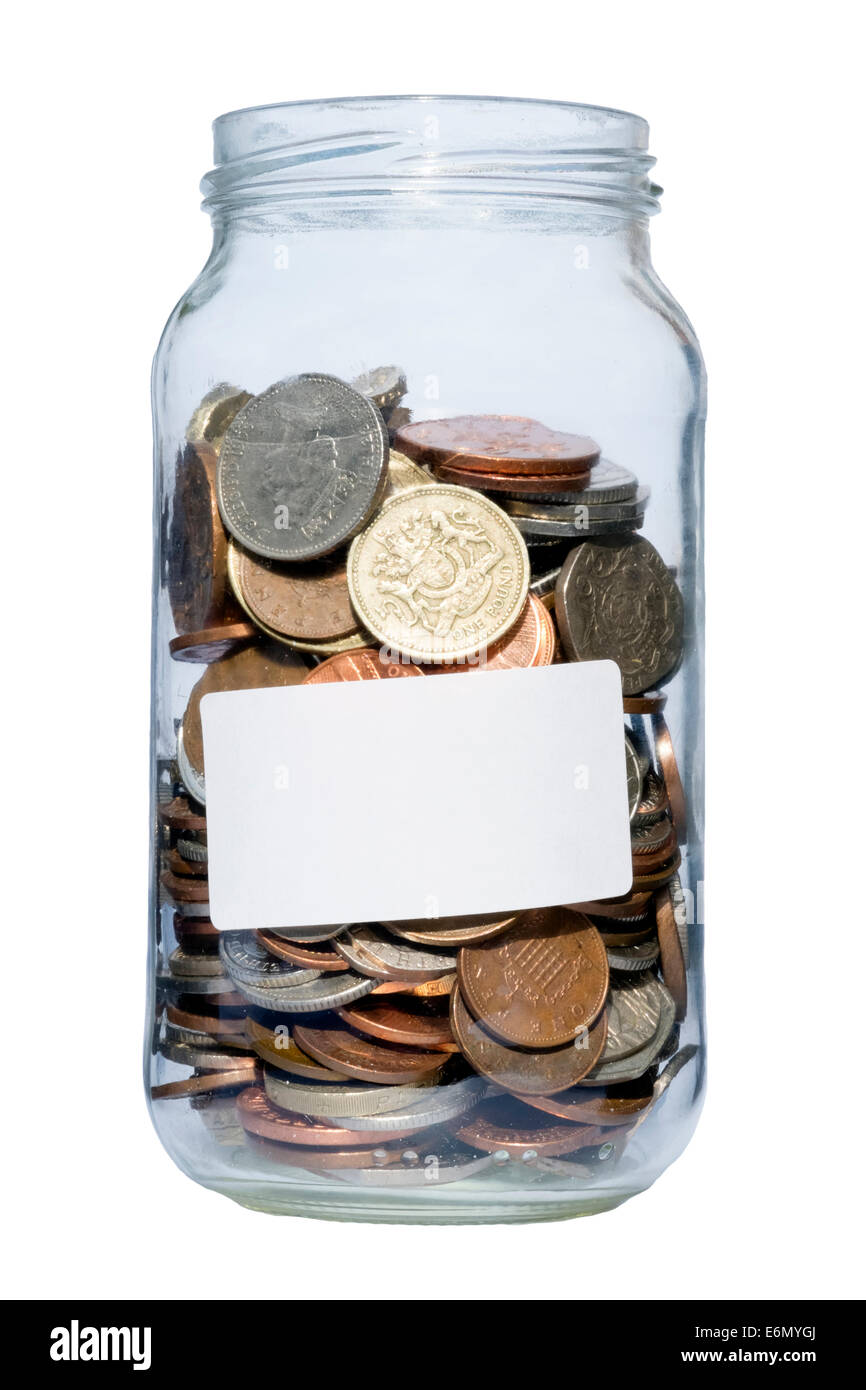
[(433, 1210)]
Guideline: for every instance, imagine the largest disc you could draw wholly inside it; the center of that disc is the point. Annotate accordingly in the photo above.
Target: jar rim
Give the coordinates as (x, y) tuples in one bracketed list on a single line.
[(369, 145)]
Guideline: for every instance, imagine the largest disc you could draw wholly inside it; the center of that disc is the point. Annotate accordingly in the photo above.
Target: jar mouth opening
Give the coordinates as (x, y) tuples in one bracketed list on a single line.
[(500, 146)]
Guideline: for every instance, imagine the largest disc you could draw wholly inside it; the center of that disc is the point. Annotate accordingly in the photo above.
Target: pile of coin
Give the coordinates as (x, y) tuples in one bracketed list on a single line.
[(317, 533)]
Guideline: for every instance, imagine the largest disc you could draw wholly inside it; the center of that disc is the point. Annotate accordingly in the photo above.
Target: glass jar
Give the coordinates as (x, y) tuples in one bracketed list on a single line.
[(498, 251)]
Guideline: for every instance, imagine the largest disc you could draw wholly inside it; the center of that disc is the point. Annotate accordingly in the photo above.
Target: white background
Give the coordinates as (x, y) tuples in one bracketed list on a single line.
[(760, 148)]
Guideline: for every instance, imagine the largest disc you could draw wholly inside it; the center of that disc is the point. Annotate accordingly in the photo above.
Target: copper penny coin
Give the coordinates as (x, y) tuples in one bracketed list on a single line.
[(324, 1160), (252, 668), (672, 962), (204, 1023), (315, 955), (650, 702), (451, 931), (671, 775), (211, 643), (498, 443), (188, 890), (258, 1115), (178, 814), (309, 601), (339, 1047), (201, 1085), (652, 846), (538, 983), (623, 934), (364, 664), (530, 642), (631, 905), (196, 933), (509, 1126), (512, 482), (604, 1106), (281, 1051), (518, 1069), (411, 1023), (197, 546), (657, 877)]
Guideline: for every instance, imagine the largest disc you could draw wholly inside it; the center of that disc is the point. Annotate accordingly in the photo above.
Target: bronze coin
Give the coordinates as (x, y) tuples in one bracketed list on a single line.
[(604, 1105), (451, 931), (283, 1052), (652, 846), (512, 482), (539, 982), (670, 949), (178, 814), (205, 1023), (314, 955), (252, 668), (338, 1047), (530, 642), (411, 1023), (323, 1160), (195, 933), (203, 1085), (309, 601), (365, 664), (184, 890), (657, 877), (671, 775), (650, 702), (631, 905), (258, 1115), (518, 1069), (508, 1125), (498, 443), (197, 546), (211, 643), (623, 933)]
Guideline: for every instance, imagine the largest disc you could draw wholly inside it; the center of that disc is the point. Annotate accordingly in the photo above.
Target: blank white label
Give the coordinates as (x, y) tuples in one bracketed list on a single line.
[(377, 800)]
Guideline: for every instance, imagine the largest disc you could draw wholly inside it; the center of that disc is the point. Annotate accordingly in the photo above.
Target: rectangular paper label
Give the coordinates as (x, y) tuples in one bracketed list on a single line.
[(429, 797)]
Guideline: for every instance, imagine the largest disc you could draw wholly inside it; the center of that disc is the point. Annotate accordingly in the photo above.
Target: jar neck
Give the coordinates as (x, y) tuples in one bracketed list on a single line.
[(413, 160)]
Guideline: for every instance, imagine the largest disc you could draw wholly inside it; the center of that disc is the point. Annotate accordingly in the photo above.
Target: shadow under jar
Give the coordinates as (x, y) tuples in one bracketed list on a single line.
[(439, 311)]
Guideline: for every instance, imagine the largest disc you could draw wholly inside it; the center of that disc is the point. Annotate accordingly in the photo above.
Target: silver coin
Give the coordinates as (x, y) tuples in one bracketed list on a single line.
[(305, 934), (194, 1038), (192, 851), (338, 1098), (384, 386), (581, 528), (633, 776), (674, 890), (248, 963), (648, 837), (580, 505), (608, 483), (193, 781), (639, 957), (188, 1055), (302, 468), (653, 801), (202, 984), (194, 964), (435, 1106), (634, 1007), (602, 579), (328, 992), (663, 1081), (188, 909), (545, 583), (636, 1063), (373, 953)]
